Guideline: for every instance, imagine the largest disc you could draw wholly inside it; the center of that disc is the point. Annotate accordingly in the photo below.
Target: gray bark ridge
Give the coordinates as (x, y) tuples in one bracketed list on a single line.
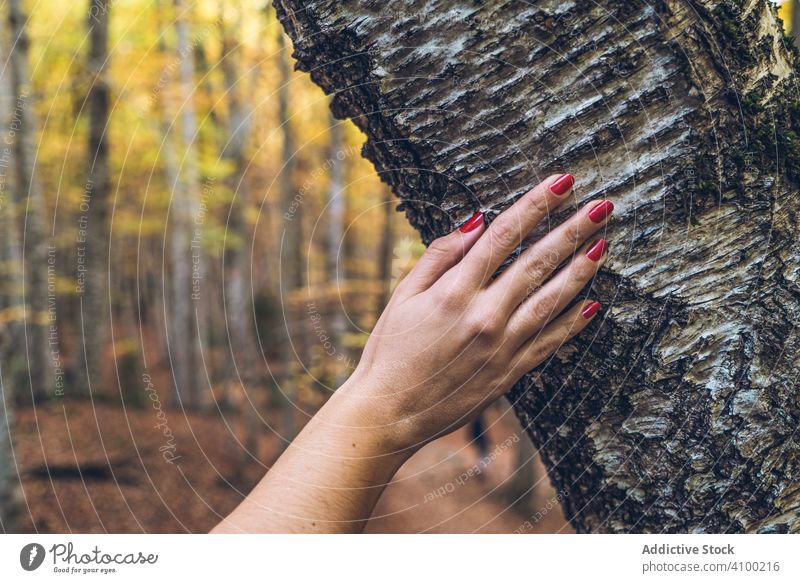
[(677, 411)]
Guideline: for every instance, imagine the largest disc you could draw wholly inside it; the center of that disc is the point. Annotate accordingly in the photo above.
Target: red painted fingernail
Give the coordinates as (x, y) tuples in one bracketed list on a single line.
[(562, 184), (590, 310), (473, 223), (601, 210), (597, 250)]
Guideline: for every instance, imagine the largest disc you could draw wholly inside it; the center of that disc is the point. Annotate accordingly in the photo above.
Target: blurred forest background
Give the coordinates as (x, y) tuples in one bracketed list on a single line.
[(194, 253)]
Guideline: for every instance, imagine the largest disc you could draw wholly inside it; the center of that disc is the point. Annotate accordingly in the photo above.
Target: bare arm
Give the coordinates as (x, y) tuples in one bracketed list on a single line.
[(452, 340), (328, 480)]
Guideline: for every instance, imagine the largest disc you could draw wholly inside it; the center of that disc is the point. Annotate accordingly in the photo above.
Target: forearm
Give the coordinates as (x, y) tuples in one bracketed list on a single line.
[(328, 480)]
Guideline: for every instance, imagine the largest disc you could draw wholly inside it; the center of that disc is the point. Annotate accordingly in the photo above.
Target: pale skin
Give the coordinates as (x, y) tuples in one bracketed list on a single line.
[(452, 339)]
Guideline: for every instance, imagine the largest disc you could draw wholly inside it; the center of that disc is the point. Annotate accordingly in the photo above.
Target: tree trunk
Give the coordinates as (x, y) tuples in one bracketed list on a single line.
[(677, 409), (292, 270), (238, 308), (337, 286), (11, 335), (386, 251), (29, 201), (9, 473), (241, 370), (11, 301), (94, 228), (163, 105), (186, 237)]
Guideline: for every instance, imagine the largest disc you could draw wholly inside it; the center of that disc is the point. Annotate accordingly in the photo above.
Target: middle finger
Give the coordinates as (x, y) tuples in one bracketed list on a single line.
[(537, 262)]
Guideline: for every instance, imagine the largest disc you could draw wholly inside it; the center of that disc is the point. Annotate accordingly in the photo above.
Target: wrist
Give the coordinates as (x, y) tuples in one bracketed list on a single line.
[(370, 419)]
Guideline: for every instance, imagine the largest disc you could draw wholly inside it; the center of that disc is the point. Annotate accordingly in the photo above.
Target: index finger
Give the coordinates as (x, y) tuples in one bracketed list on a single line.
[(510, 227)]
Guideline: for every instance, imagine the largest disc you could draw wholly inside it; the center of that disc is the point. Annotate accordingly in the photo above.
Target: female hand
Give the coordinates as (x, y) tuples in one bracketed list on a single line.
[(453, 338)]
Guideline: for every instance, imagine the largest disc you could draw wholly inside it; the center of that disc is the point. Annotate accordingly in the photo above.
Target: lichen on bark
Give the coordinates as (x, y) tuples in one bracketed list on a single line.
[(678, 409)]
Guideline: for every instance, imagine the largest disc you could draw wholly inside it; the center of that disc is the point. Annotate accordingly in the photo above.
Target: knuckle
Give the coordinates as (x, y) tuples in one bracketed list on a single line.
[(577, 274), (538, 352), (446, 297), (504, 233), (537, 203), (583, 271), (483, 325), (474, 328), (567, 327), (440, 246), (536, 269), (542, 308), (573, 236), (518, 327), (573, 324)]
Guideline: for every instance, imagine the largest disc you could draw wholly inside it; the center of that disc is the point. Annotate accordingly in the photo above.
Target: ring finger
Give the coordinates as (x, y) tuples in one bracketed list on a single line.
[(548, 302), (537, 349)]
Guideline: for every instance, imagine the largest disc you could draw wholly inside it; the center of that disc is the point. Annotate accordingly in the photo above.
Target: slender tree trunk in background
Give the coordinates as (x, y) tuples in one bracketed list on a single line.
[(338, 290), (94, 211), (14, 364), (169, 161), (9, 476), (292, 272), (386, 250), (212, 316), (185, 238), (10, 333), (795, 19), (29, 200), (677, 410), (238, 306), (202, 69)]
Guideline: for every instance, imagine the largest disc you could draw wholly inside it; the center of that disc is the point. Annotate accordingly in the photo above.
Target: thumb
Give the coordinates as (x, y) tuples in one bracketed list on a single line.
[(443, 254)]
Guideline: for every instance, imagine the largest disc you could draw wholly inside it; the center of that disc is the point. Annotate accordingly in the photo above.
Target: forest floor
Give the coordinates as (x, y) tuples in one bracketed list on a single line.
[(90, 467)]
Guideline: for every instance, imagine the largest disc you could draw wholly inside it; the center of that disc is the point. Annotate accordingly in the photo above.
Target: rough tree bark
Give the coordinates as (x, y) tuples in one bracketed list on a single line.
[(676, 410)]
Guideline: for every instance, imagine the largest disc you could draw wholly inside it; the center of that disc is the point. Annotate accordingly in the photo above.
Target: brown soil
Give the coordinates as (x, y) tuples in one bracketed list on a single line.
[(101, 468)]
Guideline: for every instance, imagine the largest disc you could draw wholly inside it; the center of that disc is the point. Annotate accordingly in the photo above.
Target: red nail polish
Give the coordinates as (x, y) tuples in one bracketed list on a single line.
[(597, 250), (562, 184), (473, 223), (600, 211), (590, 310)]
